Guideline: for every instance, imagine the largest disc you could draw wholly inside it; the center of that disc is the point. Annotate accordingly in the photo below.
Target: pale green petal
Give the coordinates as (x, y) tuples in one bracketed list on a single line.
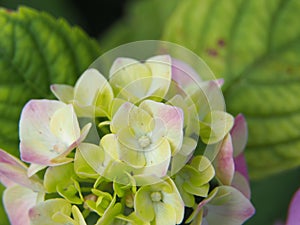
[(17, 201), (196, 190), (133, 157), (143, 205), (78, 217), (160, 67), (126, 136), (57, 175), (93, 155), (204, 166), (121, 117), (131, 219), (158, 158), (215, 126), (140, 121), (188, 198), (63, 92), (110, 213), (115, 105), (43, 212), (82, 168), (88, 86), (103, 104), (181, 157), (174, 200), (129, 78), (207, 96), (164, 214)]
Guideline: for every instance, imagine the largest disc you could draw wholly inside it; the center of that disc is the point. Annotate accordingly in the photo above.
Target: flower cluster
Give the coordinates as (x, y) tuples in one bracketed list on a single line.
[(150, 143)]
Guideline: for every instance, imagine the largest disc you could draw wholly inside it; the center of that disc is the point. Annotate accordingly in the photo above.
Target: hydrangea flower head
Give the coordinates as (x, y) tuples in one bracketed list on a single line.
[(142, 138)]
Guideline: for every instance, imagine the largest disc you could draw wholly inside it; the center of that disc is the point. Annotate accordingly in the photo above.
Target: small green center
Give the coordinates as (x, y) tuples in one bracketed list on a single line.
[(156, 196), (144, 141)]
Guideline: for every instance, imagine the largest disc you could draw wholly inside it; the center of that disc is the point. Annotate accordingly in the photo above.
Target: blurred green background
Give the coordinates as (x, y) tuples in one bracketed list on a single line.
[(254, 45)]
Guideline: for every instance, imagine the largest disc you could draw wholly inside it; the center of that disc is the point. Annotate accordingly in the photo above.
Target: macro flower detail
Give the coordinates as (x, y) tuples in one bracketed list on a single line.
[(159, 203), (225, 205), (21, 192), (136, 141), (193, 179), (49, 131), (91, 95), (133, 81)]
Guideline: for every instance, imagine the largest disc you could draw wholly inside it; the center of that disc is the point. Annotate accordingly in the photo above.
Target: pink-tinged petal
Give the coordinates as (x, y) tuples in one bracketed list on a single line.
[(172, 119), (17, 202), (294, 210), (224, 162), (241, 165), (6, 158), (228, 207), (239, 134), (183, 74), (35, 134), (242, 184), (13, 171), (49, 131)]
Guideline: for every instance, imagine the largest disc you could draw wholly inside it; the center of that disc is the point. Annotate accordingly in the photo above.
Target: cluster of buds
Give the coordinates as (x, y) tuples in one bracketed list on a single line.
[(148, 143)]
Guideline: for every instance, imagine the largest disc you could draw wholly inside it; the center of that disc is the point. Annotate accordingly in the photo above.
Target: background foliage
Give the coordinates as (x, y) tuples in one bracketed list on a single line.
[(254, 45)]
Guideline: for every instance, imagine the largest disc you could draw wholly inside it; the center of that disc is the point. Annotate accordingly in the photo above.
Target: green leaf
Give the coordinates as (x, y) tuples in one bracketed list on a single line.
[(255, 46), (35, 51), (139, 26)]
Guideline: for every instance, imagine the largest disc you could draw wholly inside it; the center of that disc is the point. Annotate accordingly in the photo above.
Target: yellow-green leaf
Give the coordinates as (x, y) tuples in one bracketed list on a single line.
[(255, 46)]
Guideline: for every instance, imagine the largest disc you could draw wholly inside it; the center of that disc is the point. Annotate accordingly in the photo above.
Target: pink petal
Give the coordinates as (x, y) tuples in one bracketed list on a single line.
[(224, 162), (241, 184), (17, 202), (36, 137), (183, 74), (239, 134), (241, 165), (49, 131), (7, 159), (13, 171), (294, 210)]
